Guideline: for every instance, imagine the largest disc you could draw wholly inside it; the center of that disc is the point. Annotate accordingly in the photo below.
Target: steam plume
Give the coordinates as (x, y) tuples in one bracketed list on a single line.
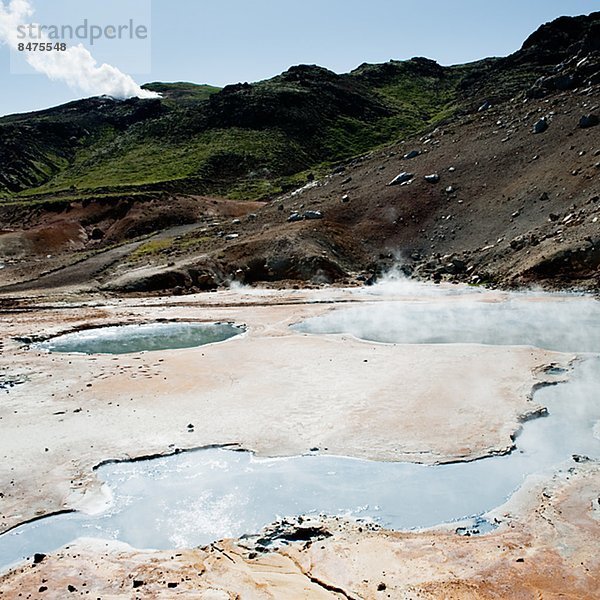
[(75, 66)]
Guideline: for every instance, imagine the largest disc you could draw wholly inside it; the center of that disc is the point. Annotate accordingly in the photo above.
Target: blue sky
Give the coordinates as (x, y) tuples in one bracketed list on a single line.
[(226, 41)]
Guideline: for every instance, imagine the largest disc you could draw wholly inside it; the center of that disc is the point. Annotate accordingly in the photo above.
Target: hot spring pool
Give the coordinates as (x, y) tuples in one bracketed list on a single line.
[(145, 337), (195, 498), (568, 324)]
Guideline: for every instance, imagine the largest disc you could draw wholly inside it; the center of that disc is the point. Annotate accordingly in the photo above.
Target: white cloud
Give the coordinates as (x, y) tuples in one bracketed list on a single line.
[(75, 66)]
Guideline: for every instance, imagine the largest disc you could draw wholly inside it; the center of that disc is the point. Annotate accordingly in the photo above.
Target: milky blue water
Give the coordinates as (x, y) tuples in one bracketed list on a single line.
[(141, 338), (564, 324)]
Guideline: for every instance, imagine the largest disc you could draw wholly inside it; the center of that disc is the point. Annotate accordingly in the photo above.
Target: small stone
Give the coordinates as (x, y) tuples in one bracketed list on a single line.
[(485, 106), (411, 154), (313, 214), (581, 458), (294, 217), (381, 587), (518, 243), (137, 583), (449, 190), (43, 588), (38, 557), (540, 126), (403, 177), (71, 588), (345, 198), (433, 178)]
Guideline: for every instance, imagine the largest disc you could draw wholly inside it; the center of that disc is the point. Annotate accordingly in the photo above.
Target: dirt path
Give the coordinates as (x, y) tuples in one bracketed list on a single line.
[(85, 272)]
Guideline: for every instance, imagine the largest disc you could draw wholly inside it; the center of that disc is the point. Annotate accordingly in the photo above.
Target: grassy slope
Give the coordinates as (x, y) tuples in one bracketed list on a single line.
[(246, 141)]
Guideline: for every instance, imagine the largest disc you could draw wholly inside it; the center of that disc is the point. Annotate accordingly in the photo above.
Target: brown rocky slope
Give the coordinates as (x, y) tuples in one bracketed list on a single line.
[(506, 192)]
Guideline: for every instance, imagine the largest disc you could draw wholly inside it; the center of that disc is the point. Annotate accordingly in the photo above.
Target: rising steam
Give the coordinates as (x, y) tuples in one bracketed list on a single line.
[(75, 66)]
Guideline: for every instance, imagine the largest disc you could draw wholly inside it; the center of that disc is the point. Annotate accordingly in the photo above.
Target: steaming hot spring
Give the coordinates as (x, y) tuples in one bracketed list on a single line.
[(402, 405)]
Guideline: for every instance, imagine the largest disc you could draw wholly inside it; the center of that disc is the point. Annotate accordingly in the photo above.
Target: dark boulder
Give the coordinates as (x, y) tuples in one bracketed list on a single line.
[(97, 234), (540, 126), (588, 121)]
